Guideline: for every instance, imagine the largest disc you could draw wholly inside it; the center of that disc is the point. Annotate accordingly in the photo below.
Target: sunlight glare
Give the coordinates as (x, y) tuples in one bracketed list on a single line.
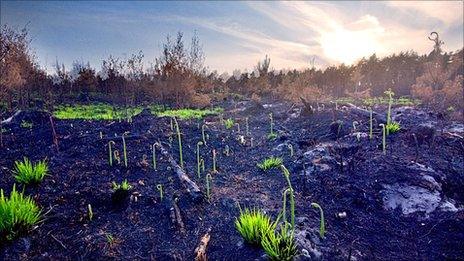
[(348, 46)]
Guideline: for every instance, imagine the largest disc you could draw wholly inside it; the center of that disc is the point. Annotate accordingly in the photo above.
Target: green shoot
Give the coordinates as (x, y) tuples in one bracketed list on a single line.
[(272, 123), (179, 139), (340, 125), (355, 123), (384, 139), (322, 225), (290, 147), (153, 147), (110, 152), (390, 95), (109, 239), (253, 225), (269, 163), (229, 123), (370, 123), (202, 162), (117, 157), (203, 133), (290, 191), (214, 161), (124, 150), (272, 135), (27, 173), (209, 180), (198, 157), (89, 212), (160, 189), (18, 213)]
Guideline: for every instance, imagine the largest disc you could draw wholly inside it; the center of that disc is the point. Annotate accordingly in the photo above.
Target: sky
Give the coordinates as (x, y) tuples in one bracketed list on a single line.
[(235, 35)]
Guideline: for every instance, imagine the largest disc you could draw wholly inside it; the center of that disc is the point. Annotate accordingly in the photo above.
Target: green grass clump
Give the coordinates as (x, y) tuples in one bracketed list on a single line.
[(18, 213), (393, 127), (272, 136), (99, 111), (26, 124), (28, 173), (229, 123), (185, 114), (280, 245), (124, 186), (253, 225), (269, 163)]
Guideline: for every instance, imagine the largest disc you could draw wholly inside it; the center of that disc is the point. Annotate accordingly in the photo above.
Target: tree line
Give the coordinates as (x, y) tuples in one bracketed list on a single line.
[(178, 77)]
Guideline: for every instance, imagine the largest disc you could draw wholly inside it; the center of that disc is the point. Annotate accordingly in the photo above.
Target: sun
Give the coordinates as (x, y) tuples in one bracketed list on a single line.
[(348, 46)]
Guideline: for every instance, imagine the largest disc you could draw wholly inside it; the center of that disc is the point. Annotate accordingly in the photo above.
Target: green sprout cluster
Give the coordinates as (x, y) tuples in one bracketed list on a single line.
[(269, 163), (18, 213), (123, 186), (253, 225), (229, 123), (28, 173)]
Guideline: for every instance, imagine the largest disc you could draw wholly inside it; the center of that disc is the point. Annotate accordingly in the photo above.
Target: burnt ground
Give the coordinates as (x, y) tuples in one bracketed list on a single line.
[(405, 205)]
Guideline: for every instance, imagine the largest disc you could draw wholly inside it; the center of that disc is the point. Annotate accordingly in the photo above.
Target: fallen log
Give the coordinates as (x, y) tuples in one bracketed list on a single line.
[(191, 187), (10, 119), (176, 217), (200, 250), (307, 108), (366, 113)]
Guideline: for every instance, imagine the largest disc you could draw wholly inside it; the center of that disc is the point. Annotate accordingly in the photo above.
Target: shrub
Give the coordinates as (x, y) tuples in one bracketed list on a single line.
[(18, 213), (269, 163), (28, 173), (253, 225)]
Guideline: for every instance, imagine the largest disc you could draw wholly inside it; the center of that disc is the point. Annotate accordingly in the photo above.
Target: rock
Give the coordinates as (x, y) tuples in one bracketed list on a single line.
[(424, 132), (307, 239), (411, 198), (319, 158)]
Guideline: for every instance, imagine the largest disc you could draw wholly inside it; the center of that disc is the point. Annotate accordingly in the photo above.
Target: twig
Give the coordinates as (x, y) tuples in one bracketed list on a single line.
[(61, 243)]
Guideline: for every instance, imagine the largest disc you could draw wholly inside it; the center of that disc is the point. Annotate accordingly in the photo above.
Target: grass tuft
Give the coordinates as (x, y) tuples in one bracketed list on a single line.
[(393, 127), (280, 245), (18, 213), (124, 186), (253, 225), (269, 163), (28, 173)]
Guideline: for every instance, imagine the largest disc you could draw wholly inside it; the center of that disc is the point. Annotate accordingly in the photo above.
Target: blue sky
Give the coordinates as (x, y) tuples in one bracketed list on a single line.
[(235, 34)]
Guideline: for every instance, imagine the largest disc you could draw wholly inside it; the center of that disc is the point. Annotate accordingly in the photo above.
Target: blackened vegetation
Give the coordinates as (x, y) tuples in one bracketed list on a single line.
[(365, 194)]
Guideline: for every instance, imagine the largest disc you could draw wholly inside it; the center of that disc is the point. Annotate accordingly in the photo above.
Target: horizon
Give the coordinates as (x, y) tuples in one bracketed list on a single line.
[(235, 35)]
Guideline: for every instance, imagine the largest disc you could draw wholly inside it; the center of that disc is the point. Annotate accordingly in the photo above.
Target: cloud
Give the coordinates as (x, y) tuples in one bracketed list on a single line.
[(447, 12), (284, 53), (347, 33)]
